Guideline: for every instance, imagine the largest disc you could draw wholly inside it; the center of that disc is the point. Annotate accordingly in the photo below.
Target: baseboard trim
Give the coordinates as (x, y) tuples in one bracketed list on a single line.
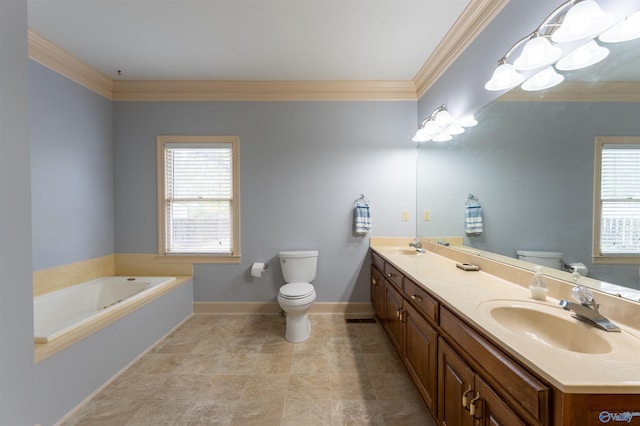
[(339, 308)]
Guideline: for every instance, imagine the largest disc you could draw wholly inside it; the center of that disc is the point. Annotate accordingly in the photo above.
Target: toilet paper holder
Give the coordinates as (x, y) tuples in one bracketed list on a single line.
[(258, 268)]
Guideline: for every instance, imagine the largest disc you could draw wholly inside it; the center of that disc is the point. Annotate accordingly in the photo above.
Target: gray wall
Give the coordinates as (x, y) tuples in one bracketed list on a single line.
[(71, 170), (16, 303), (302, 166), (532, 166)]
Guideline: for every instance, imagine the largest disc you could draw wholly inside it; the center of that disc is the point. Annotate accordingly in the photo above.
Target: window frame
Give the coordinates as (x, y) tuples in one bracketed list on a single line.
[(596, 255), (161, 143)]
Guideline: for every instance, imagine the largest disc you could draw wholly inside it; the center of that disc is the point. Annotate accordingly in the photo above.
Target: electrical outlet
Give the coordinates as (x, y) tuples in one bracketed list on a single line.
[(426, 215), (405, 215)]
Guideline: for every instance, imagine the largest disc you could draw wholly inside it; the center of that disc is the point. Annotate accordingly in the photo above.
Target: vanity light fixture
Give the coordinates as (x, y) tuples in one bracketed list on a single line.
[(625, 30), (572, 21), (440, 126)]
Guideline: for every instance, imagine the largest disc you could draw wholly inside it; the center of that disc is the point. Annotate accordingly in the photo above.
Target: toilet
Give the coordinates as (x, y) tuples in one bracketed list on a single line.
[(297, 295), (550, 259)]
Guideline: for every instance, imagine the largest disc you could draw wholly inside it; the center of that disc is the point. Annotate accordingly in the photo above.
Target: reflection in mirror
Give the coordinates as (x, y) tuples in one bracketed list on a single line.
[(530, 161)]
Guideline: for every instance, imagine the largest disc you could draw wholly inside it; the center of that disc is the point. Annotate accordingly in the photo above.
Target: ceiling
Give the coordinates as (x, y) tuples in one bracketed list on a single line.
[(290, 40)]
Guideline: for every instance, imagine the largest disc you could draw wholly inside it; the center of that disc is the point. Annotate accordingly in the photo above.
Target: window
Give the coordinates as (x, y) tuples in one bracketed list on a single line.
[(616, 224), (198, 198)]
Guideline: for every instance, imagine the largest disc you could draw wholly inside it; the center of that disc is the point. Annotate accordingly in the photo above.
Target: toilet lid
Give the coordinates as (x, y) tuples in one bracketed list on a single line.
[(296, 290)]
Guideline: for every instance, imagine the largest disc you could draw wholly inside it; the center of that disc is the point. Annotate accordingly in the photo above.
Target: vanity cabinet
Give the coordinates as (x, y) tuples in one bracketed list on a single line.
[(377, 292), (462, 377), (465, 398), (420, 354), (411, 333), (392, 321), (477, 378)]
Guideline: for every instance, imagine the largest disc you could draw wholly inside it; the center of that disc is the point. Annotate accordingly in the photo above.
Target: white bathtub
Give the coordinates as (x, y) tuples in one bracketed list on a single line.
[(57, 312)]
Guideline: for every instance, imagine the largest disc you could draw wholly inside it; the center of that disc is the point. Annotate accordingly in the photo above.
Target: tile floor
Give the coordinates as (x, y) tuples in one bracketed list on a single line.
[(239, 370)]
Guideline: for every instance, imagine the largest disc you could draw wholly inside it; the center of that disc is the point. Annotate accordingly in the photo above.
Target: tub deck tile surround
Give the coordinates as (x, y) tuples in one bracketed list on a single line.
[(239, 370), (59, 277), (51, 279), (43, 351)]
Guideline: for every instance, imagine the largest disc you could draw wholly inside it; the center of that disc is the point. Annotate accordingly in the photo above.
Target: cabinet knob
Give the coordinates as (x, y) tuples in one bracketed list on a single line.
[(391, 275), (374, 281), (416, 298), (472, 405), (465, 400)]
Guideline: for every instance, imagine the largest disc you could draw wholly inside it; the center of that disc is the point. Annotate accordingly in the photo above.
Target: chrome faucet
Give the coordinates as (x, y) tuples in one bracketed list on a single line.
[(587, 309), (417, 245)]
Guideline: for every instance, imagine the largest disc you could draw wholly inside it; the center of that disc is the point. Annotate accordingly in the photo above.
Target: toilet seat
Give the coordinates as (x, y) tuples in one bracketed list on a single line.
[(295, 291)]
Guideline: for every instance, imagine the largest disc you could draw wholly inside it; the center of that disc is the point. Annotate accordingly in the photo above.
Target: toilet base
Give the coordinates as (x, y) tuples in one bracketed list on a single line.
[(298, 328)]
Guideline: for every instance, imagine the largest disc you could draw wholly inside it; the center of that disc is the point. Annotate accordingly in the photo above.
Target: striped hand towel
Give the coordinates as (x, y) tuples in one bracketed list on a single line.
[(362, 219), (473, 219)]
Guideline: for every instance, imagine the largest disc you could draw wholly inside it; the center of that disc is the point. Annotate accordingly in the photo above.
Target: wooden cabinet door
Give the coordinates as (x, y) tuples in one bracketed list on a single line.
[(392, 322), (493, 410), (421, 355), (377, 292), (455, 378)]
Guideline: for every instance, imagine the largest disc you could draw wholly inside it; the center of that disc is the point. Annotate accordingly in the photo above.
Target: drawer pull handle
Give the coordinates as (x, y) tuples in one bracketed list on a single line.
[(398, 313), (416, 298), (465, 400), (472, 406), (374, 281), (391, 275)]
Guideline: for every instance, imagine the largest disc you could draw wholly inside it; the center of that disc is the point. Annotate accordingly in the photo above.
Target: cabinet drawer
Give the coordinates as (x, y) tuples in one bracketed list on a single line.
[(377, 260), (393, 275), (515, 384), (425, 303)]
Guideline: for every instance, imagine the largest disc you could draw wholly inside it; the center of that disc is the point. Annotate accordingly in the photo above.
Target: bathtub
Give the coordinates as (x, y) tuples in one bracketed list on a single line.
[(60, 311)]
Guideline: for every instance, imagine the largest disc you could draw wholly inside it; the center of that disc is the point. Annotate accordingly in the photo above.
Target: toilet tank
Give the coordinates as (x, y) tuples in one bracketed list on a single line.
[(550, 259), (299, 266)]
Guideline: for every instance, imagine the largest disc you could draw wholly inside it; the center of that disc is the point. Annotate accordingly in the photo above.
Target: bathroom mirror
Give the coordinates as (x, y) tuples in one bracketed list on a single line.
[(530, 162)]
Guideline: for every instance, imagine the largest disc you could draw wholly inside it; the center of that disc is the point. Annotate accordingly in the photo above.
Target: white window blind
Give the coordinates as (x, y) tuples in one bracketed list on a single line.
[(620, 200), (199, 198)]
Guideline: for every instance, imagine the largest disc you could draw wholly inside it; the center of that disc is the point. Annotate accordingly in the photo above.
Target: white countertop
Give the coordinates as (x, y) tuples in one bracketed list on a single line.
[(468, 295)]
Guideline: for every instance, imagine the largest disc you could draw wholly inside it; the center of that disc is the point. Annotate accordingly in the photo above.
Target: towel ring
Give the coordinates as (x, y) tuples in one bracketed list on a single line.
[(472, 199), (364, 198)]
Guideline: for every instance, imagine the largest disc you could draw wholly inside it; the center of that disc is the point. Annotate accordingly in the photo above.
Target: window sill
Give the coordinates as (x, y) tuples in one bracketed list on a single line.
[(616, 260), (194, 259)]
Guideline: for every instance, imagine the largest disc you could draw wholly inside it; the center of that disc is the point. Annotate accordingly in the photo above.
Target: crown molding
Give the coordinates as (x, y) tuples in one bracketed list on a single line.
[(59, 60), (474, 18), (579, 91), (155, 90)]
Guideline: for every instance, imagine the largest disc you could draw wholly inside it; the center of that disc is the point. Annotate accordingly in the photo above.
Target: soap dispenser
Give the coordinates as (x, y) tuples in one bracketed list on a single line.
[(538, 285)]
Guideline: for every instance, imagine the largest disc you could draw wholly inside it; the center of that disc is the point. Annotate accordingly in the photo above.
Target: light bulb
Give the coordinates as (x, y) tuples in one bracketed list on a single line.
[(537, 52), (443, 118), (504, 77), (584, 19), (468, 121), (545, 79), (583, 57), (442, 137), (625, 30)]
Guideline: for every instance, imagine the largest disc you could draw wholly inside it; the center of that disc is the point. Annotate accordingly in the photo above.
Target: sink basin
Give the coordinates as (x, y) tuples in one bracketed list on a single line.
[(407, 251), (546, 325)]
